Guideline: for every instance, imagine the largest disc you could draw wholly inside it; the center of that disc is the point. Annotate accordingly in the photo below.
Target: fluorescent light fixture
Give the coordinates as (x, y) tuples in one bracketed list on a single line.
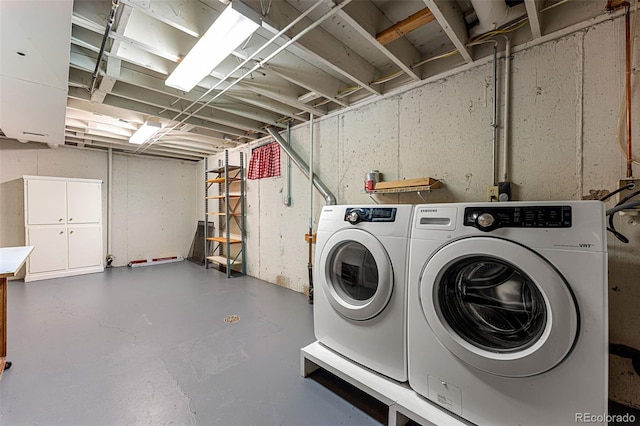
[(148, 129), (223, 37)]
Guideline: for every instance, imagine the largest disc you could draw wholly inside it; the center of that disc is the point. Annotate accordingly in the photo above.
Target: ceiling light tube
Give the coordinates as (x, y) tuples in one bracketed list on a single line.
[(225, 35), (145, 131)]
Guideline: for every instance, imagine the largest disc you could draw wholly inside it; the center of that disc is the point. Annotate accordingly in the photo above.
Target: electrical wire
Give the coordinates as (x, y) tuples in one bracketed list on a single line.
[(628, 197), (508, 29), (611, 194), (624, 204), (620, 207), (388, 78), (435, 58)]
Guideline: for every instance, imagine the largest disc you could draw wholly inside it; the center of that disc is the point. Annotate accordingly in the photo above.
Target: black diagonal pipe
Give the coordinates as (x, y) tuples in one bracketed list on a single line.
[(105, 37)]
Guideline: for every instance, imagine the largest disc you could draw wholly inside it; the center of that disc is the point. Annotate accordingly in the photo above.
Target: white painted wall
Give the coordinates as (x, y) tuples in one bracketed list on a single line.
[(154, 200), (566, 96)]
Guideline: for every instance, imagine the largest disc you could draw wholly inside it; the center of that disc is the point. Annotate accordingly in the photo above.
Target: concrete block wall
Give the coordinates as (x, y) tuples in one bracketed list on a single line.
[(154, 200), (566, 95)]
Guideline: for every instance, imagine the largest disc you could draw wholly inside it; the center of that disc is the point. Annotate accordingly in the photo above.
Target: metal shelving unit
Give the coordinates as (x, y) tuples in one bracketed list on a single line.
[(226, 248)]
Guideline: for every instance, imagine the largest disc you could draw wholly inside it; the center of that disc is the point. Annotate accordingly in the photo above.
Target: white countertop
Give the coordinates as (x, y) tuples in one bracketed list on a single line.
[(12, 259)]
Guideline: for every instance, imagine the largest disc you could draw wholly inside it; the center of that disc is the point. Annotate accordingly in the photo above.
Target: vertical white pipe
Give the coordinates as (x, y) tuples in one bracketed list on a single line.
[(287, 197), (109, 201), (310, 174), (507, 106), (494, 155)]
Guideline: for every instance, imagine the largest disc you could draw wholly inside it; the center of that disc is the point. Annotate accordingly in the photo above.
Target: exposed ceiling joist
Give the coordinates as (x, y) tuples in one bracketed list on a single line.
[(453, 24), (328, 60), (533, 12), (399, 29), (320, 44), (404, 66)]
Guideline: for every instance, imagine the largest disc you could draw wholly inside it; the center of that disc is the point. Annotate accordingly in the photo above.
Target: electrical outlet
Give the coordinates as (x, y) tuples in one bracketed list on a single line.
[(492, 193), (622, 194)]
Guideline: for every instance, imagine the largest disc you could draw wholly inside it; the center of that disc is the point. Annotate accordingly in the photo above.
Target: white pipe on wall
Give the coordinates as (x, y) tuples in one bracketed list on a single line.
[(310, 174), (109, 204), (507, 107), (287, 197)]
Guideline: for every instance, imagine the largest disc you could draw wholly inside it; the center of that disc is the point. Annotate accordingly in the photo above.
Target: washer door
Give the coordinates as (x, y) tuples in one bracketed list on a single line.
[(358, 275), (498, 306)]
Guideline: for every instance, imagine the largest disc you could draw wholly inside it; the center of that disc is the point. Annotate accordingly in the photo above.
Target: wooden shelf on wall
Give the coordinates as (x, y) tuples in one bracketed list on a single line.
[(406, 185)]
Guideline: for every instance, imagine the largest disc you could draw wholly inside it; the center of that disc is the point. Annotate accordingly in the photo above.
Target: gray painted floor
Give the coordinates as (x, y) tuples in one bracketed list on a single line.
[(150, 346)]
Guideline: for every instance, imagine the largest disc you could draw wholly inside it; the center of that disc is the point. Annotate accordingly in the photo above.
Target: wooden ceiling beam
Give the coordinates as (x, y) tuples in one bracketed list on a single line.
[(397, 30)]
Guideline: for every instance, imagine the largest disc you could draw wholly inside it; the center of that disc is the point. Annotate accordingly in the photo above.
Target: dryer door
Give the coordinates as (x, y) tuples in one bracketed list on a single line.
[(357, 275), (499, 306)]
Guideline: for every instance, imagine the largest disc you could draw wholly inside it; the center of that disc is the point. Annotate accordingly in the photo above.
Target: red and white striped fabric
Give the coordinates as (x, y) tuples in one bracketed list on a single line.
[(265, 161)]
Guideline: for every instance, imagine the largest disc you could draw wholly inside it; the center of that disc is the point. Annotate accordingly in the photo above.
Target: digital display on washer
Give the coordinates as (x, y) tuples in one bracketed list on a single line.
[(373, 214), (519, 217)]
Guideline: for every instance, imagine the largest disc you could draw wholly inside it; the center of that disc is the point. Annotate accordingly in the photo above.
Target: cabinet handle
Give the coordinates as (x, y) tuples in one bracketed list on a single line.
[(61, 232), (71, 232), (60, 220), (70, 219)]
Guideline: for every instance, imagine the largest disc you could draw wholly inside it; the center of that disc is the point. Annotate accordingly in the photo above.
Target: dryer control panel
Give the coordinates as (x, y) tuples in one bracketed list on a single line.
[(355, 215), (490, 218)]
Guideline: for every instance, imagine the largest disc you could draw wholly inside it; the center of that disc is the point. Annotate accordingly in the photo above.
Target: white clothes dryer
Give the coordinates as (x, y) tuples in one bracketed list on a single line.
[(359, 285), (507, 311)]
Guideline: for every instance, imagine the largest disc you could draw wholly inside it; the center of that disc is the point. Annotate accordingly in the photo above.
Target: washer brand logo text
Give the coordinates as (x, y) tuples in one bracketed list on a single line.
[(585, 245), (428, 210)]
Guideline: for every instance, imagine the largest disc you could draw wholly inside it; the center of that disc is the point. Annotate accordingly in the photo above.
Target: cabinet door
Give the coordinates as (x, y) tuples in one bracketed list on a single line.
[(49, 249), (46, 202), (85, 246), (84, 202)]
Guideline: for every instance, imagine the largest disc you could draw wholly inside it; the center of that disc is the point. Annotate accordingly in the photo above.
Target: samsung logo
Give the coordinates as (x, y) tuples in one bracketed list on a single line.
[(428, 210)]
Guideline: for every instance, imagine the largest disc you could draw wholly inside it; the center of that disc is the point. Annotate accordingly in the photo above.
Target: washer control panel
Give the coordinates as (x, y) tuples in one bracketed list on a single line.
[(355, 215), (490, 218)]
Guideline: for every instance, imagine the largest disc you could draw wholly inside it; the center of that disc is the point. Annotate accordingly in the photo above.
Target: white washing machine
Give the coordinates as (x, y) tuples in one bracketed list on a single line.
[(507, 311), (359, 285)]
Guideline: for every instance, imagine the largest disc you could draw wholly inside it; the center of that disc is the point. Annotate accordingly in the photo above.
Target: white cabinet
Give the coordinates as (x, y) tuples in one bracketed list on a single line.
[(63, 221), (48, 243), (83, 252)]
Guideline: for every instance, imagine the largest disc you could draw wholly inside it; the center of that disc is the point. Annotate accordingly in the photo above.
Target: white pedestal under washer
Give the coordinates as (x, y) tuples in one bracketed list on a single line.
[(359, 285), (507, 311)]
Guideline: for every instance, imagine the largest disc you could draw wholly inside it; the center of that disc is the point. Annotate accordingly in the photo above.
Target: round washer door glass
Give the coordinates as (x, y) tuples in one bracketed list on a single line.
[(499, 306), (358, 275), (354, 272), (492, 304)]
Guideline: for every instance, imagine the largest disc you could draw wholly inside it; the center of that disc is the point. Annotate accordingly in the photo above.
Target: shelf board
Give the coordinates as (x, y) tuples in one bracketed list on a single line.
[(222, 180), (224, 240), (221, 169), (222, 197), (409, 185), (400, 190), (223, 214), (223, 260)]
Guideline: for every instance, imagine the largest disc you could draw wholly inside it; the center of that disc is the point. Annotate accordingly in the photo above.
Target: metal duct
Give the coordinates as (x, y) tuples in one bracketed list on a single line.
[(493, 14), (329, 198)]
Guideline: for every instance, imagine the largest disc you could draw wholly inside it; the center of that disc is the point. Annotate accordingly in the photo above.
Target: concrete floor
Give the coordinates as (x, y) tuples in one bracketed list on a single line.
[(150, 346)]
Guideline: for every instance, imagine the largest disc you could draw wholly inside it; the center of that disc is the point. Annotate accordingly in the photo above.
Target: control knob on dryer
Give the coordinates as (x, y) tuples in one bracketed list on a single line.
[(354, 216), (485, 222)]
